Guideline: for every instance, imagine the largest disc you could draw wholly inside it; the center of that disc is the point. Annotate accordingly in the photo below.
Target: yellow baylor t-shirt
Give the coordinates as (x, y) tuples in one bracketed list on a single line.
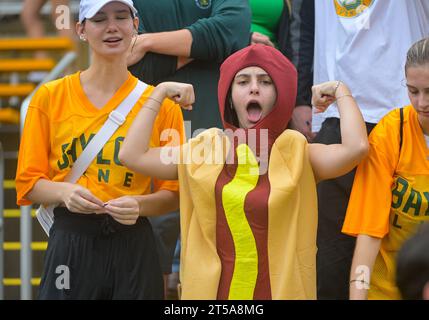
[(60, 122), (390, 194)]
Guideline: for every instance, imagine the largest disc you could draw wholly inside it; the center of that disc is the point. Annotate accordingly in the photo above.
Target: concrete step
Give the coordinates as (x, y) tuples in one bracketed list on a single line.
[(19, 90), (9, 115), (27, 44), (26, 65)]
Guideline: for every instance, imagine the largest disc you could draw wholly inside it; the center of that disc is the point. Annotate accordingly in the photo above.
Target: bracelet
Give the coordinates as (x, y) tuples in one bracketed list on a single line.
[(359, 280), (150, 108), (346, 95), (155, 100)]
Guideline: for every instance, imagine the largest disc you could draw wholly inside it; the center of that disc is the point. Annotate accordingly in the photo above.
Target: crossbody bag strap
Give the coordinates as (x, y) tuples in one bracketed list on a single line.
[(116, 118)]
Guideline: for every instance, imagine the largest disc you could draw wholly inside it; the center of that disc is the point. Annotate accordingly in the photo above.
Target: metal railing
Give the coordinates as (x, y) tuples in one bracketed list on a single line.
[(1, 221), (26, 220)]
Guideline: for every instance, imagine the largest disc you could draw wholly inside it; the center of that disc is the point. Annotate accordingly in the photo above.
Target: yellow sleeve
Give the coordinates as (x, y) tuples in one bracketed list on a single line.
[(34, 149), (369, 204), (172, 133)]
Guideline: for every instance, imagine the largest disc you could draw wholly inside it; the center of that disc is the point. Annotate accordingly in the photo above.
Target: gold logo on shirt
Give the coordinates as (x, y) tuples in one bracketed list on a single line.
[(351, 8), (203, 4)]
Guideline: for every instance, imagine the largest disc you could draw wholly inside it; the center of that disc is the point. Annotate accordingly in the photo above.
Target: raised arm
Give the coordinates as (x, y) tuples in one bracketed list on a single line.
[(135, 152), (330, 161)]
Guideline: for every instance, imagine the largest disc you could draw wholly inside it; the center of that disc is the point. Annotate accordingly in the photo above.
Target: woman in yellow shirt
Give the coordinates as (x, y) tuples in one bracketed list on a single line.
[(390, 195), (99, 235)]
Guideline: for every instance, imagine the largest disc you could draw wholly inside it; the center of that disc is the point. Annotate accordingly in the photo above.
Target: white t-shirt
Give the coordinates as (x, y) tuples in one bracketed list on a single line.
[(364, 44)]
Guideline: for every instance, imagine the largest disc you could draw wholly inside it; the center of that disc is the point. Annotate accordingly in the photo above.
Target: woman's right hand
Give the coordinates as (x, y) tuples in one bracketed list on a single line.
[(80, 200), (181, 93), (326, 93), (261, 38)]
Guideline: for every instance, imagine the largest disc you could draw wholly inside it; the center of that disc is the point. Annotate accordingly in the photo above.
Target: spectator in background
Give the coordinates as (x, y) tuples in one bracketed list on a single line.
[(289, 26), (186, 41), (389, 199), (34, 28), (412, 266), (352, 45), (266, 18)]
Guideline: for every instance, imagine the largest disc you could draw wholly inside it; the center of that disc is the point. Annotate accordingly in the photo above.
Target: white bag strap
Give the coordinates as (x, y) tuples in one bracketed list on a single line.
[(45, 215), (116, 118)]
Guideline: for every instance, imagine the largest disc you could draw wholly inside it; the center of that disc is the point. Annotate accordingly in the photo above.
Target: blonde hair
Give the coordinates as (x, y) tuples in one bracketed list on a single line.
[(418, 54)]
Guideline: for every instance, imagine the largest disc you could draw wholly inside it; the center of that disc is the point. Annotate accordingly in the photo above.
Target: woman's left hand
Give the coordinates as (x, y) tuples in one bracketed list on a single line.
[(125, 209)]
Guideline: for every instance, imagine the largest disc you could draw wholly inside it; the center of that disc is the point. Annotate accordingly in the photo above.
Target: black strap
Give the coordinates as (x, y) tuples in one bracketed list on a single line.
[(401, 128)]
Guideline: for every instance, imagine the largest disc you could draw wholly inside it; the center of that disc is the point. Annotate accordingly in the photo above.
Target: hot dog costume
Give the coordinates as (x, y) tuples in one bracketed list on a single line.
[(249, 233)]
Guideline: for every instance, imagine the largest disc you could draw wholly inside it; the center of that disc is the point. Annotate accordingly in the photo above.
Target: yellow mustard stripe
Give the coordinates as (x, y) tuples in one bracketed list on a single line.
[(233, 196), (11, 282), (16, 213), (9, 184), (14, 246)]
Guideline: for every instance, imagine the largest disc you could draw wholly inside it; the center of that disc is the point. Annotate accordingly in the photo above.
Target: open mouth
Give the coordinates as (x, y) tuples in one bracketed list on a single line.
[(254, 112), (112, 40)]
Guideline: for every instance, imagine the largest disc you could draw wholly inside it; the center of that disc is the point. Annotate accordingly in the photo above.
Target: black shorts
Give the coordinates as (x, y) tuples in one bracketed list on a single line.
[(95, 257)]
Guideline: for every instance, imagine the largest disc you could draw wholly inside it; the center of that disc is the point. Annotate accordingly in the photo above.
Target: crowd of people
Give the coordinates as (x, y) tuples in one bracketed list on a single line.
[(248, 139)]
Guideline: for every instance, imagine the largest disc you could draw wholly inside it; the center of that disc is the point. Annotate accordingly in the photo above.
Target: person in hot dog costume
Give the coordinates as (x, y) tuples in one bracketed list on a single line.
[(248, 193)]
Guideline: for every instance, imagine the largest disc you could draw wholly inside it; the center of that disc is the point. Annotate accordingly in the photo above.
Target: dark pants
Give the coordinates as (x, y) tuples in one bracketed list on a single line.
[(95, 257), (335, 249), (166, 229)]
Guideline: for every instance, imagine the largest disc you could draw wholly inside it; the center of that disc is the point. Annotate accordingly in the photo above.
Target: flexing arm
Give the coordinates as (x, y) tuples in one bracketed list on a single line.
[(330, 161), (135, 152), (366, 251)]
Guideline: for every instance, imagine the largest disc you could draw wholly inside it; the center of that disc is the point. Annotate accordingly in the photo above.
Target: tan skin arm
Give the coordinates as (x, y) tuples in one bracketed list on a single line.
[(135, 152), (174, 43), (366, 252), (330, 161)]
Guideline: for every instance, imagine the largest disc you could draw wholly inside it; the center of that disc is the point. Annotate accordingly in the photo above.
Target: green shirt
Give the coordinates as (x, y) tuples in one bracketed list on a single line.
[(218, 28), (266, 16)]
